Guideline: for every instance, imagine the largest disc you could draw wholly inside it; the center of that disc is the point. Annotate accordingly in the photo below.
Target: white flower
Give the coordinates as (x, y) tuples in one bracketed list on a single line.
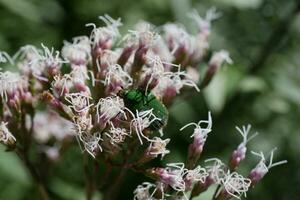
[(198, 129), (107, 33), (240, 153), (79, 74), (173, 175), (142, 192), (116, 135), (197, 174), (47, 125), (141, 121), (78, 52), (28, 56), (108, 108), (216, 171), (218, 58), (245, 132), (200, 133), (50, 58), (176, 36), (262, 168), (91, 142), (10, 82), (79, 102), (117, 78), (235, 184), (204, 24), (83, 124), (5, 135), (174, 81), (143, 35), (61, 84), (158, 147)]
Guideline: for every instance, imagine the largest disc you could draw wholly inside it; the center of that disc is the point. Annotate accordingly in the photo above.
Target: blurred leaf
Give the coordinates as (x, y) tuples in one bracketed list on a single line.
[(24, 9), (11, 167), (252, 84)]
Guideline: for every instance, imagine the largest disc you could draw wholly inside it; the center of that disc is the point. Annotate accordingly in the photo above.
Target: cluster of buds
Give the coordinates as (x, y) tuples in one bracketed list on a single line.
[(186, 181), (110, 92)]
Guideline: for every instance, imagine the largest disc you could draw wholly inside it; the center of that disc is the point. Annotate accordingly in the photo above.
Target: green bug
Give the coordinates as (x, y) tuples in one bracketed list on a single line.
[(137, 99)]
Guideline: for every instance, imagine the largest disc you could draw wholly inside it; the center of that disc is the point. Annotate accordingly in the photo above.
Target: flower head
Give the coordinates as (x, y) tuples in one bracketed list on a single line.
[(142, 36), (158, 147), (102, 37), (172, 175), (200, 134), (78, 52), (6, 137), (197, 174), (216, 171), (108, 108), (116, 135), (240, 153), (79, 102), (142, 120), (262, 168), (204, 24), (116, 79), (10, 83), (235, 184), (143, 191)]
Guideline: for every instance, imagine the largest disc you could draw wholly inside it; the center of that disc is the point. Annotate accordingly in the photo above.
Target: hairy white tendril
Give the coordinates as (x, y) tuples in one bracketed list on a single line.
[(197, 174), (218, 58), (5, 135), (116, 135), (108, 108), (144, 35), (108, 58), (83, 125), (262, 166), (50, 58), (91, 142), (61, 84), (79, 74), (41, 60), (141, 121), (156, 69), (204, 24), (174, 176), (142, 192), (10, 82), (79, 102), (5, 58), (116, 73), (33, 61), (176, 36), (158, 147), (108, 32), (245, 132), (78, 52), (216, 171), (199, 131), (176, 80), (235, 184)]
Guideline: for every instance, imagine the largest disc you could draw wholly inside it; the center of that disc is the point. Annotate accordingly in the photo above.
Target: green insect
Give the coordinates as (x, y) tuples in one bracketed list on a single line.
[(137, 99)]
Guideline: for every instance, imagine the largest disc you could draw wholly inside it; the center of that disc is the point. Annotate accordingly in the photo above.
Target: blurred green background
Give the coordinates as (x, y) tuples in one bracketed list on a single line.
[(262, 87)]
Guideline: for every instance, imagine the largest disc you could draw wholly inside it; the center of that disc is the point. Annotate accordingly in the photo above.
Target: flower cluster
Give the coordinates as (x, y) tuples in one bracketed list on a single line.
[(110, 93)]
